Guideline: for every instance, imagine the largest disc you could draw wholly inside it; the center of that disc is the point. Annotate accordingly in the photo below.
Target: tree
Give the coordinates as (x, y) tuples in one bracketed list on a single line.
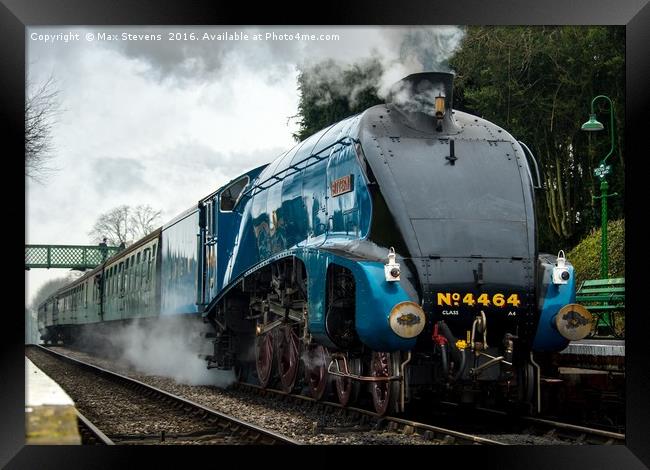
[(46, 290), (330, 91), (125, 224), (50, 287), (144, 219), (537, 83), (41, 109)]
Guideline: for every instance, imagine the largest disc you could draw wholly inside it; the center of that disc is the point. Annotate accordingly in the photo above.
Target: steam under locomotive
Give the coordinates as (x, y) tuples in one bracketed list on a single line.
[(393, 252)]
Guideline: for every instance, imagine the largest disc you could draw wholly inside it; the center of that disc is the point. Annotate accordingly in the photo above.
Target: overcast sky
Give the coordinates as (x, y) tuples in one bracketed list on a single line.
[(164, 122)]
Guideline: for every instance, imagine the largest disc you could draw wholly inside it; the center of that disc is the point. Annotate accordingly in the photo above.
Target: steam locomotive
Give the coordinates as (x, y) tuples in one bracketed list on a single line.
[(392, 253)]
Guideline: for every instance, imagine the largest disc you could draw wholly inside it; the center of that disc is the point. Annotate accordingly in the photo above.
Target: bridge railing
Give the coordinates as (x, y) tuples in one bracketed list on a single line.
[(67, 256)]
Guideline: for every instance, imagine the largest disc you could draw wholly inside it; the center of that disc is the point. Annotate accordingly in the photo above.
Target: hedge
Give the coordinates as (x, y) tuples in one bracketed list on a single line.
[(585, 256)]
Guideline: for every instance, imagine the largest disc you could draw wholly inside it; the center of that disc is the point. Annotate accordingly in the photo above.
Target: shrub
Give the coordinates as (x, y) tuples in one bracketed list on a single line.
[(585, 256)]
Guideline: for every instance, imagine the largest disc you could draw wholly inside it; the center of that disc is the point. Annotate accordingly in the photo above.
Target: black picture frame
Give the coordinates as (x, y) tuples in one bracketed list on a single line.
[(16, 15)]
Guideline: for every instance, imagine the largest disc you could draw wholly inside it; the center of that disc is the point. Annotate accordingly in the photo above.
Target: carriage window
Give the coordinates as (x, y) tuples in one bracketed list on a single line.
[(146, 262), (230, 195), (132, 273), (126, 275), (143, 270), (136, 271), (140, 269), (208, 216)]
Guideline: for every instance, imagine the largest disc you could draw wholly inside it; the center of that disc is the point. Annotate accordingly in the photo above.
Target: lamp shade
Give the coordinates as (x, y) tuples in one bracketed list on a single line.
[(592, 124)]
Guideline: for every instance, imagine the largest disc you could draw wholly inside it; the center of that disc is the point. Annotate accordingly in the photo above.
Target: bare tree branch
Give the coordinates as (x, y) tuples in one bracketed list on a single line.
[(124, 224), (51, 286), (143, 220), (41, 109)]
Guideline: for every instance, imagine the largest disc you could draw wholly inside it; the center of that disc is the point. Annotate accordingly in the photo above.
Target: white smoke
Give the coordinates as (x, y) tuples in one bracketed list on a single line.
[(421, 100), (329, 79), (170, 347), (311, 360), (402, 51), (413, 50)]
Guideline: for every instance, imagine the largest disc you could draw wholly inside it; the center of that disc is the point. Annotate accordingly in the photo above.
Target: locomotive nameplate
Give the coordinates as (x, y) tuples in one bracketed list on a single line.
[(455, 299), (342, 185)]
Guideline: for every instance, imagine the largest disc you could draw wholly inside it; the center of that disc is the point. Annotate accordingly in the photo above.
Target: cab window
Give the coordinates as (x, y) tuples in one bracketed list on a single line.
[(230, 195)]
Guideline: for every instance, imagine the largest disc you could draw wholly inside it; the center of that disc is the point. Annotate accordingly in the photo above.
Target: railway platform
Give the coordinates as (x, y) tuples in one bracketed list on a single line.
[(595, 354), (50, 414), (585, 383)]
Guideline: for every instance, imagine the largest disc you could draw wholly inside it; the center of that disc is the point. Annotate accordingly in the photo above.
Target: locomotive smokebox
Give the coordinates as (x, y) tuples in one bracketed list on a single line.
[(425, 100)]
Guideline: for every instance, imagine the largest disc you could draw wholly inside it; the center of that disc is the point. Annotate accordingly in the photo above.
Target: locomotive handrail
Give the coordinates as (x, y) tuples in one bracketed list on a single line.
[(274, 179), (361, 378), (532, 157)]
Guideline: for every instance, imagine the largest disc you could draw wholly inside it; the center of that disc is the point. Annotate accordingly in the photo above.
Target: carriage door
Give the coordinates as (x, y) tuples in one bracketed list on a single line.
[(210, 249)]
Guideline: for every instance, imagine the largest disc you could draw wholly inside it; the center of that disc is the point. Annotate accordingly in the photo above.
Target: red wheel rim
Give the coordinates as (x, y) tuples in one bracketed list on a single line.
[(316, 374), (345, 388), (288, 357), (381, 391), (264, 358)]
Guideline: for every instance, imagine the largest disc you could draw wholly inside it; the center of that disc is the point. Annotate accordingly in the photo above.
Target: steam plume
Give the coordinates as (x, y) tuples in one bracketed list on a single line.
[(165, 346)]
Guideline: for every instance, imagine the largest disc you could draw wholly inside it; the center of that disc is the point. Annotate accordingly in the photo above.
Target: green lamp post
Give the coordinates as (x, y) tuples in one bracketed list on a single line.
[(601, 172)]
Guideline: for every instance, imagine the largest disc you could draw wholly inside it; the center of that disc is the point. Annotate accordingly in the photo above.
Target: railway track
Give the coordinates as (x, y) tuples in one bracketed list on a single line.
[(535, 426), (478, 426), (496, 424), (564, 431), (198, 424), (366, 427)]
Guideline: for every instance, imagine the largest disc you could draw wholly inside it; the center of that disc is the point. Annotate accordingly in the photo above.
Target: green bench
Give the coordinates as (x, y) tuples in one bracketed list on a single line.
[(605, 299)]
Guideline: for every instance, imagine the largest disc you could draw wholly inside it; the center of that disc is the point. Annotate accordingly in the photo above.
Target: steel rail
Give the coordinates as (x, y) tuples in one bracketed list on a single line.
[(559, 429), (598, 435), (93, 430)]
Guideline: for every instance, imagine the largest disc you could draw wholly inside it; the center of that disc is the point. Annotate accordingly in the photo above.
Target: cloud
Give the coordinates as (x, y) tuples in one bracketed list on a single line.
[(190, 170), (117, 175)]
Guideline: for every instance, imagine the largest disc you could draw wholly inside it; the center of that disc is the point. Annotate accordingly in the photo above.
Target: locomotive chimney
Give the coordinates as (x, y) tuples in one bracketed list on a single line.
[(425, 99)]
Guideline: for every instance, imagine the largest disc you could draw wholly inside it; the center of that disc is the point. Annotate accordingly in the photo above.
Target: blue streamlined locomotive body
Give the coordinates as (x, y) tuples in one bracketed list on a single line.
[(394, 249)]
